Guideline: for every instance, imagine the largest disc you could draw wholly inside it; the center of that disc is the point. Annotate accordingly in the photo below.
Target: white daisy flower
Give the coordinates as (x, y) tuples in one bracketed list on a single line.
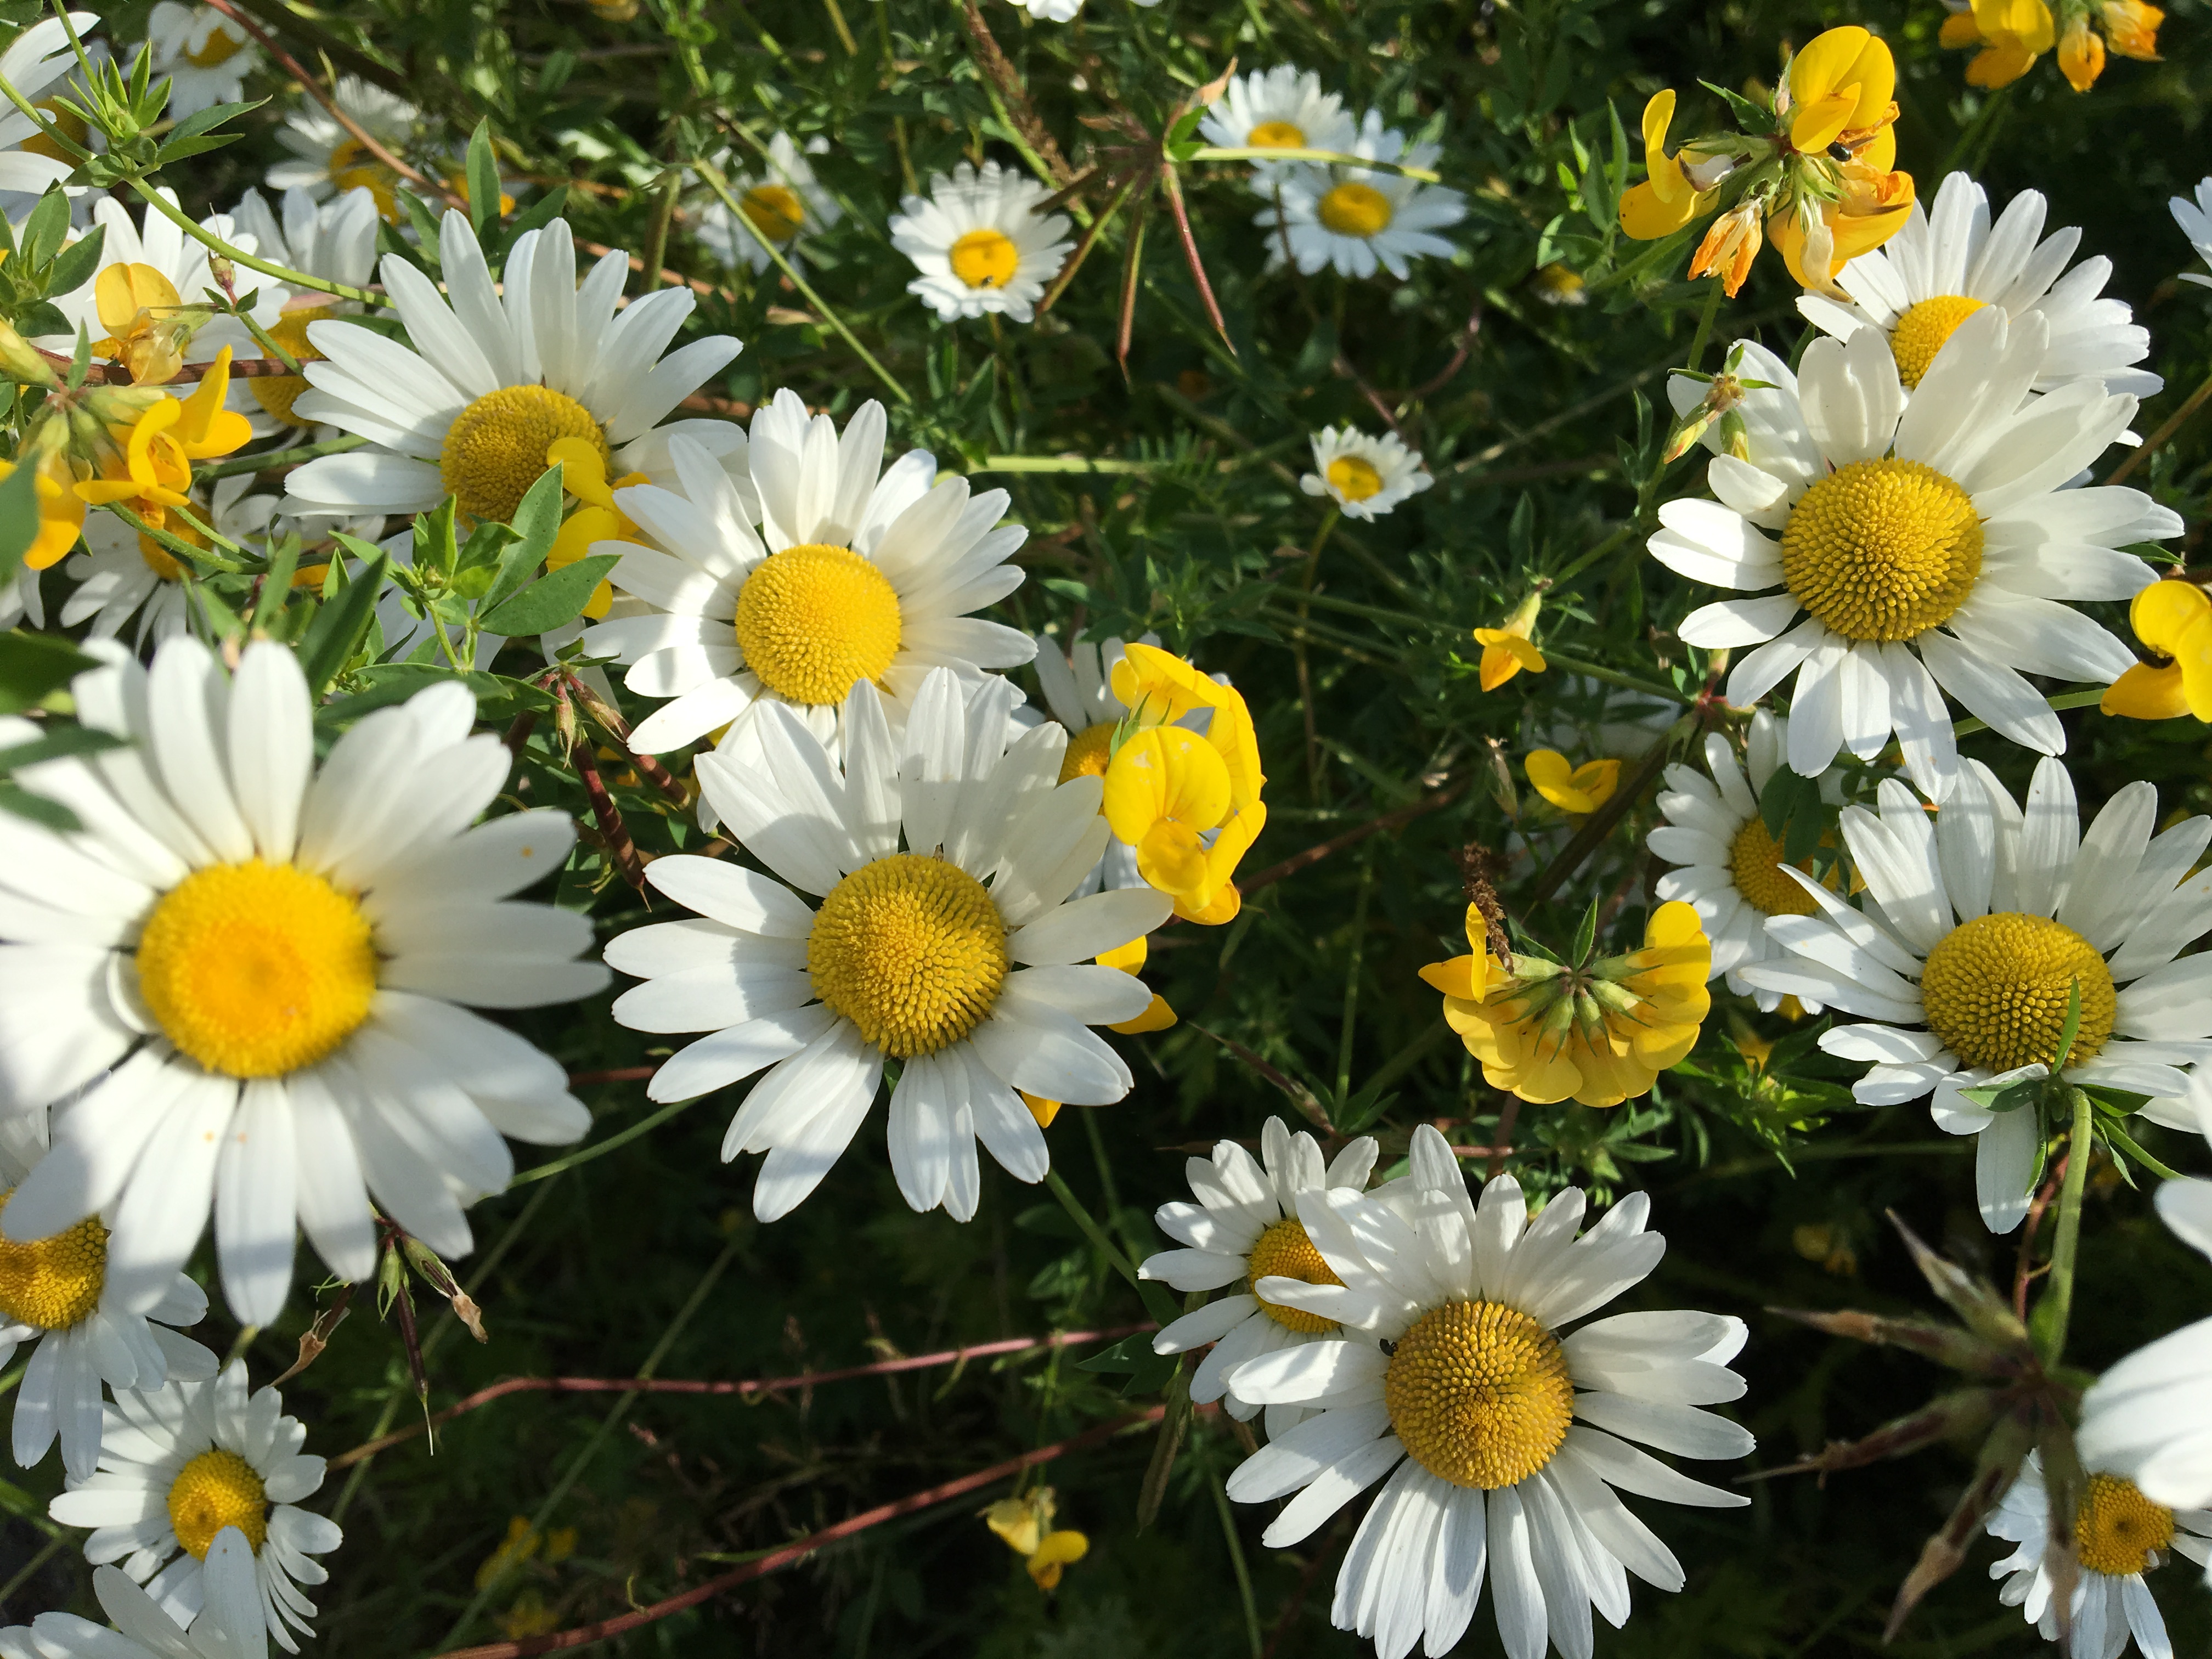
[(31, 162), (56, 1296), (2195, 219), (1453, 1375), (182, 262), (1061, 11), (20, 597), (2118, 1535), (123, 572), (1245, 1227), (326, 158), (1942, 268), (217, 861), (1366, 476), (1078, 690), (2149, 1418), (230, 1626), (335, 240), (979, 243), (206, 56), (496, 377), (1932, 542), (1280, 108), (179, 1465), (1729, 867), (858, 572), (911, 954), (1980, 919), (784, 200), (1355, 219)]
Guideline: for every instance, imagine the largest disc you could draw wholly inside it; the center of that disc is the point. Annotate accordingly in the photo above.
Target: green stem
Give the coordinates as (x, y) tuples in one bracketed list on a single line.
[(161, 204), (1236, 1557), (2172, 423), (1613, 677), (1704, 325), (2121, 1139), (2063, 700), (1092, 1230), (1354, 960), (277, 457), (2052, 1333), (1596, 553), (1328, 157), (601, 1148), (656, 238)]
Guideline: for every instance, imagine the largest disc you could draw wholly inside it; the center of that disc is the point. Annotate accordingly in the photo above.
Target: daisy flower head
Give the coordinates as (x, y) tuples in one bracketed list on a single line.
[(30, 162), (1061, 11), (229, 1626), (1354, 218), (1598, 1032), (217, 859), (1943, 267), (981, 242), (1914, 547), (857, 573), (124, 573), (1504, 1441), (183, 1464), (784, 201), (206, 56), (1728, 863), (56, 1297), (1364, 476), (2119, 1534), (334, 239), (327, 158), (2195, 218), (939, 936), (1980, 920), (497, 377), (1280, 108)]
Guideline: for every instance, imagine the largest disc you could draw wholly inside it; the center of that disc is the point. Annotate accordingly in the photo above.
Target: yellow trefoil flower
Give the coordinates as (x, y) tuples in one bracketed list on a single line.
[(1189, 803), (2011, 34), (1025, 1524), (1598, 1034), (61, 512), (2174, 619), (1577, 789), (153, 467), (1668, 199), (1507, 650), (597, 519), (148, 325)]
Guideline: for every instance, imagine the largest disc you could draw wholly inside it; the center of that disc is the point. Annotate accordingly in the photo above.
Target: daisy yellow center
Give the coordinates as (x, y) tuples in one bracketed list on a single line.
[(496, 448), (56, 1282), (1882, 549), (774, 209), (814, 620), (159, 560), (1275, 135), (1285, 1252), (1355, 209), (218, 49), (911, 950), (984, 258), (1480, 1394), (256, 969), (2118, 1530), (1756, 862), (218, 1489), (70, 126), (1088, 752), (1354, 477), (1996, 989), (353, 167), (276, 393), (1923, 329)]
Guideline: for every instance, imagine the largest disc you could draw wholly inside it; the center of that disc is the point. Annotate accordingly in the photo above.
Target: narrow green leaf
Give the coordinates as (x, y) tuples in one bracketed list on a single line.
[(552, 601), (33, 665), (341, 625), (2070, 1030), (75, 265), (483, 180), (19, 519), (536, 521)]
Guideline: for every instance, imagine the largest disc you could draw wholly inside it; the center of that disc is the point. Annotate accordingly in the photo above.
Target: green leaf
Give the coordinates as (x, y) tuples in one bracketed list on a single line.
[(1586, 934), (49, 223), (58, 741), (19, 519), (32, 666), (183, 148), (554, 600), (208, 120), (73, 269), (276, 580), (425, 224), (536, 521), (483, 180), (1133, 1356), (37, 808), (341, 625), (2005, 1096), (2070, 1030)]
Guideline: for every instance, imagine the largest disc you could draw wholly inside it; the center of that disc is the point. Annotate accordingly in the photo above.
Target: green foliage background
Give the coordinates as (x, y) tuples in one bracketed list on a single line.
[(1544, 448)]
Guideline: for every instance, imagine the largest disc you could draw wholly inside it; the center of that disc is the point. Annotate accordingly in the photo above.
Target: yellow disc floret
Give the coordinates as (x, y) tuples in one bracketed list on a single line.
[(1354, 477), (985, 258), (256, 969), (354, 166), (1089, 752), (218, 49), (496, 448), (1755, 861), (1882, 549), (1921, 331), (1480, 1394), (911, 950), (775, 210), (218, 1489), (56, 1282), (1275, 135), (1355, 209), (1996, 989), (814, 620), (2118, 1530), (276, 393), (1285, 1252)]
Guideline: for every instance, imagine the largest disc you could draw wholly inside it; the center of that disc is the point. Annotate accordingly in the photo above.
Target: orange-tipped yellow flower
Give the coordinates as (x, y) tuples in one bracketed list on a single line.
[(2174, 619), (148, 325), (2131, 27), (1730, 244), (1668, 200), (61, 512), (2080, 55), (1570, 788), (1507, 650), (1841, 83), (154, 467), (1025, 1524), (1599, 1034)]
